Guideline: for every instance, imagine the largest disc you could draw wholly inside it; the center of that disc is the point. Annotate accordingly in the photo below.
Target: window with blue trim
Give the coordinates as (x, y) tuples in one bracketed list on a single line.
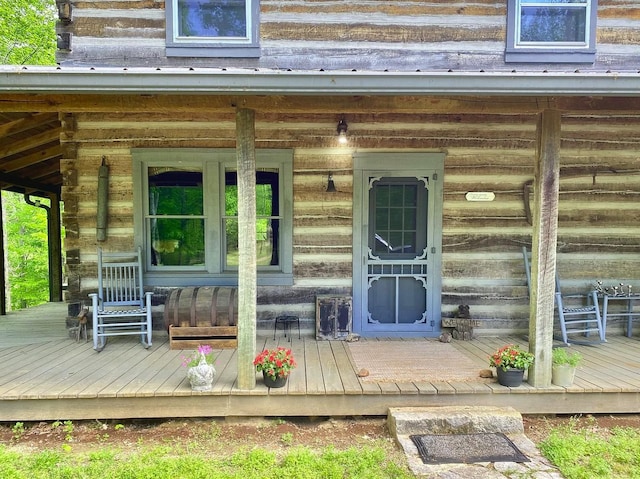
[(186, 215), (551, 31), (213, 28)]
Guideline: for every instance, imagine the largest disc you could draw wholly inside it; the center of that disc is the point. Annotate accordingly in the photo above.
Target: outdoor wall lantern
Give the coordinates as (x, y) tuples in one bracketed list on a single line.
[(331, 186), (342, 131)]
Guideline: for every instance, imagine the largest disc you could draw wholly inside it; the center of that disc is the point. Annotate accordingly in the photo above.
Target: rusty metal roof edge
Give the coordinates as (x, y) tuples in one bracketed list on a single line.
[(111, 80)]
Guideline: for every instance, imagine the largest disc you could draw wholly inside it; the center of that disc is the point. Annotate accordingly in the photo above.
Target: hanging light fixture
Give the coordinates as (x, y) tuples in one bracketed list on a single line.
[(331, 186), (342, 131)]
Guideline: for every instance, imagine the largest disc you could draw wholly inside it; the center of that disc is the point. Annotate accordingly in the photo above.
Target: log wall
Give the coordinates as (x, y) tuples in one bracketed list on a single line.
[(342, 34), (599, 233)]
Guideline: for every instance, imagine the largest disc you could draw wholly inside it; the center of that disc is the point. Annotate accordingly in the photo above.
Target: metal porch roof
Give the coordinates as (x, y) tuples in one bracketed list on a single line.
[(32, 79)]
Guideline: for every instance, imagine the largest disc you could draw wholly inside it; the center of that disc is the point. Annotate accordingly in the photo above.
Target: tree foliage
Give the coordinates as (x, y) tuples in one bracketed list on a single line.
[(27, 37), (27, 32), (27, 251)]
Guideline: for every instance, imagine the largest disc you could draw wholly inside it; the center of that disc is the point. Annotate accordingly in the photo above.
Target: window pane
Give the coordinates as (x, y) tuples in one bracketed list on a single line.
[(553, 24), (267, 186), (397, 196), (266, 247), (175, 192), (553, 1), (177, 242), (212, 18), (267, 209), (382, 195)]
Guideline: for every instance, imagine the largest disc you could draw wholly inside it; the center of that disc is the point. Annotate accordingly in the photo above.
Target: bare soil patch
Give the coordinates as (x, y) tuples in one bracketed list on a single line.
[(225, 436)]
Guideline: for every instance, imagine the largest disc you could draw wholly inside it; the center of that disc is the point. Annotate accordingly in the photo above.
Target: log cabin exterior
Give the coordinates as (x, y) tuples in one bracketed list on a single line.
[(449, 100)]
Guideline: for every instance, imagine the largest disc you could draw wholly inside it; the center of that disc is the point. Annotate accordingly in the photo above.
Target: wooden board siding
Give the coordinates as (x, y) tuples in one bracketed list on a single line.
[(482, 265), (341, 34)]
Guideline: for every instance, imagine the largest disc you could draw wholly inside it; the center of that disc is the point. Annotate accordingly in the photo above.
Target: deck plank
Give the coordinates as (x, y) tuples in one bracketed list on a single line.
[(45, 374), (425, 388), (119, 380), (298, 377), (330, 374), (32, 360), (99, 377), (345, 367), (315, 381)]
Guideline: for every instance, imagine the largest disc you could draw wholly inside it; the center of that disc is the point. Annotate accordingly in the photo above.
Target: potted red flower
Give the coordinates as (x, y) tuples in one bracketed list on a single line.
[(510, 362), (276, 365)]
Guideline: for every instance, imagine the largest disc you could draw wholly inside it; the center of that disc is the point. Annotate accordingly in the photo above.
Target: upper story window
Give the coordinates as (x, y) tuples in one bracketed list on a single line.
[(186, 215), (551, 31), (213, 28)]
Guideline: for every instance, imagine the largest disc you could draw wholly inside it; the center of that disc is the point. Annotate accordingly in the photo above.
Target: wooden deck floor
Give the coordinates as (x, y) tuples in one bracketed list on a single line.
[(59, 378)]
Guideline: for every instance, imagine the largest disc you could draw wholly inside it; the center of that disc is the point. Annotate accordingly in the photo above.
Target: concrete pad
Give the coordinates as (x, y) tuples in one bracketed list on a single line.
[(404, 422)]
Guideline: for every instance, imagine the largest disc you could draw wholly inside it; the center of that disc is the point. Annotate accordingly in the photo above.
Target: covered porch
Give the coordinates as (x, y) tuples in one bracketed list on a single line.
[(47, 375)]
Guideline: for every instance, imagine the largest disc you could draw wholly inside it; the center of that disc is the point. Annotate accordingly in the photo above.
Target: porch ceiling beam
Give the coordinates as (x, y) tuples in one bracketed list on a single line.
[(182, 103), (24, 124), (31, 142), (27, 184), (48, 153)]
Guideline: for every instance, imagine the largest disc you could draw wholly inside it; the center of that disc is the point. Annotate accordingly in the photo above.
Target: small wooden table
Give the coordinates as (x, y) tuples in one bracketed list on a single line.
[(630, 314)]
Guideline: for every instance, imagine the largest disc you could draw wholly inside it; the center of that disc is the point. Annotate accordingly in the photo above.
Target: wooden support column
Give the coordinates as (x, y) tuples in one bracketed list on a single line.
[(247, 277), (54, 231), (3, 264), (543, 249)]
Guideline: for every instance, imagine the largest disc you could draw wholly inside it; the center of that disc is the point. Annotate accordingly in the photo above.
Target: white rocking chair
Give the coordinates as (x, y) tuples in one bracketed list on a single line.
[(582, 319), (120, 307)]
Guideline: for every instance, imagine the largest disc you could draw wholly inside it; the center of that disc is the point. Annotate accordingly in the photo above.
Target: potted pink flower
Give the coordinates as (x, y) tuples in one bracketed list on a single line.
[(200, 370)]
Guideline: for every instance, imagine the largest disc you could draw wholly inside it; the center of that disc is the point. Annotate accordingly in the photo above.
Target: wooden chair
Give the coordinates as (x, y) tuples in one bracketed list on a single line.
[(120, 307), (583, 319)]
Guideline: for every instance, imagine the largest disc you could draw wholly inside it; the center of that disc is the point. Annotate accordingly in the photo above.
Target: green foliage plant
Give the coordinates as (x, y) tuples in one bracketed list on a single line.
[(287, 438), (560, 356), (18, 430), (28, 32), (68, 429)]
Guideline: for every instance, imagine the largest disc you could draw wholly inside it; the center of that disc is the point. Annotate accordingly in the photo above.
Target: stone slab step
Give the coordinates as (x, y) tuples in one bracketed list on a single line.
[(454, 420)]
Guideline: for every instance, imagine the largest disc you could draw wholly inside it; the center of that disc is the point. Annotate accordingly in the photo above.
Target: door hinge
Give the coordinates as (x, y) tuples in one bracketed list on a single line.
[(435, 177), (433, 250), (433, 323)]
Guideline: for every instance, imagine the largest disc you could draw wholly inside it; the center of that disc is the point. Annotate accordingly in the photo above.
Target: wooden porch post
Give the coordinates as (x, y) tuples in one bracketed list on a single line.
[(543, 249), (247, 277), (3, 263), (55, 248)]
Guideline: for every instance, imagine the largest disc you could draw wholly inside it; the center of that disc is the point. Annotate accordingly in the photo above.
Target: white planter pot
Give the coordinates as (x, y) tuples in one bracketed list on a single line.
[(563, 375)]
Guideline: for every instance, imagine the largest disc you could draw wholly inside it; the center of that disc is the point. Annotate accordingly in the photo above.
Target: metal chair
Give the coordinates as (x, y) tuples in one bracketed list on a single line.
[(583, 320), (120, 307)]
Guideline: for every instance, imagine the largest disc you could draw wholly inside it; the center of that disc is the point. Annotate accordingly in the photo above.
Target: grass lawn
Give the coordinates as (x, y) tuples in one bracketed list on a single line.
[(161, 462), (587, 451), (199, 448)]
